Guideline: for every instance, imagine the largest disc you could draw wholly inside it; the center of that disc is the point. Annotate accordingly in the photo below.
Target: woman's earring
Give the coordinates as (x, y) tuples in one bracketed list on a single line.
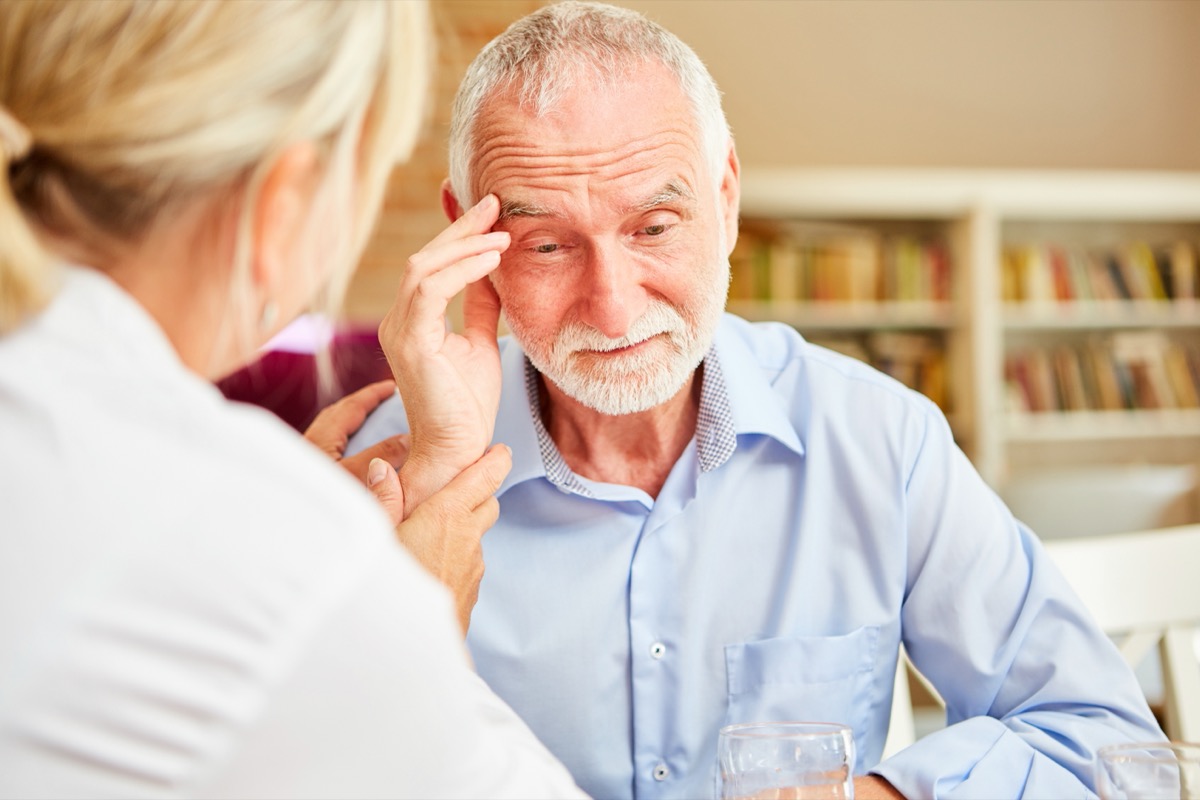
[(270, 313)]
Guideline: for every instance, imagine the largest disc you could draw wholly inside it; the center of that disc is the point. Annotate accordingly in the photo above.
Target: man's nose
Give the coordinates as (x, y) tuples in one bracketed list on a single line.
[(615, 296)]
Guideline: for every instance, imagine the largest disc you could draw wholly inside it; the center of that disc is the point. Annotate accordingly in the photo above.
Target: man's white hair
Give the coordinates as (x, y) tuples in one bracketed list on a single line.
[(544, 54)]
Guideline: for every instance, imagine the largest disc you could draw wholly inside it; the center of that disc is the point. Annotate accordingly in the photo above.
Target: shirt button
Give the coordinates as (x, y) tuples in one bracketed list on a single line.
[(658, 650), (661, 773)]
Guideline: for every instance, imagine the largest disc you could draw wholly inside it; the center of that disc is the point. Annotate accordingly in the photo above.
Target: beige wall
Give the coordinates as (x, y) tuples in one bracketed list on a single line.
[(985, 83), (967, 83), (412, 213)]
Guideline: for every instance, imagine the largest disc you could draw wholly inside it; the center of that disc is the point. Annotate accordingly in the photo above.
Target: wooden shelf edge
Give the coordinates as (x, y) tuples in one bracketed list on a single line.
[(1067, 426), (1108, 314), (847, 315)]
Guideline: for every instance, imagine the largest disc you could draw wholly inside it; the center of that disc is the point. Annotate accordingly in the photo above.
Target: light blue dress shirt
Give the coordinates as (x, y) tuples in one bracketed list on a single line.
[(821, 515)]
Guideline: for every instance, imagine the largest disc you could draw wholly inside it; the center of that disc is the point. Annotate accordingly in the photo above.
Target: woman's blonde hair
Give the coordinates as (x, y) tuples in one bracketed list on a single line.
[(129, 107)]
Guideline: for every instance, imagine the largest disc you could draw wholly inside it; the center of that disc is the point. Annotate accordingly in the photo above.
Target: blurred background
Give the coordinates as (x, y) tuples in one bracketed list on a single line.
[(1073, 84), (998, 202)]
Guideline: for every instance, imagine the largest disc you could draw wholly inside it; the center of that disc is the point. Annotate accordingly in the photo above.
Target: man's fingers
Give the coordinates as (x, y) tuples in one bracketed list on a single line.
[(432, 296), (478, 219), (433, 260), (334, 426), (481, 312), (433, 278)]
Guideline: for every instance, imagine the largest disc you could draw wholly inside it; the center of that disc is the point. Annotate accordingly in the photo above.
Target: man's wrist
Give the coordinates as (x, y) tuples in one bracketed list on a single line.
[(421, 477)]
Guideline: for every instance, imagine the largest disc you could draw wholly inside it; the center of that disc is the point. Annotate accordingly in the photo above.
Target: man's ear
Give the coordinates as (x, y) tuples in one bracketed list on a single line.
[(280, 214), (731, 198), (449, 202)]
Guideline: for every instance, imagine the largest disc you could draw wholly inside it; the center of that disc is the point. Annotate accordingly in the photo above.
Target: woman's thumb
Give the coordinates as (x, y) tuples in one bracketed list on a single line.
[(384, 483)]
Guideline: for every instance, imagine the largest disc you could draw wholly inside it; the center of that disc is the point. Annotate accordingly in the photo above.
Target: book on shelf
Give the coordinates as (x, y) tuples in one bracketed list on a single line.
[(749, 265), (1140, 260), (1185, 383), (831, 263), (1178, 267), (1068, 368), (1118, 276), (1125, 370), (915, 359), (1049, 273), (1143, 356), (1098, 280), (1107, 392)]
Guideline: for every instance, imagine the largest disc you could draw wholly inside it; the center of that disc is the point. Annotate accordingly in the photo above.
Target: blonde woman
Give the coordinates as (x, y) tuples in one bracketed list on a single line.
[(193, 601)]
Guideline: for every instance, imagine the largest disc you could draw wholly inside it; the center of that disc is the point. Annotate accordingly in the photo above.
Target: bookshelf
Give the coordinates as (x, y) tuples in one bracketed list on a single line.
[(1024, 325)]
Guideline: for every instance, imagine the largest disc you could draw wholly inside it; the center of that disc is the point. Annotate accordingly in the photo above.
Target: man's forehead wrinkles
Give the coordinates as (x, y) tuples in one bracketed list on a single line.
[(519, 183), (506, 147)]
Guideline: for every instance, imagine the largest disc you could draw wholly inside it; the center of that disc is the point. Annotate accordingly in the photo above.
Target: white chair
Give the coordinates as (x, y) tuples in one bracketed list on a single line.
[(1143, 588), (904, 726), (902, 729)]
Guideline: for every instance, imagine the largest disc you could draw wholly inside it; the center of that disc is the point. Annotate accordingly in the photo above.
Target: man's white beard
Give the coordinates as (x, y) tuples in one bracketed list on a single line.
[(631, 382)]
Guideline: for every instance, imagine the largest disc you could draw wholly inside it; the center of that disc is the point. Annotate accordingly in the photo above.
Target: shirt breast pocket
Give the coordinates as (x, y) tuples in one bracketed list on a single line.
[(808, 678)]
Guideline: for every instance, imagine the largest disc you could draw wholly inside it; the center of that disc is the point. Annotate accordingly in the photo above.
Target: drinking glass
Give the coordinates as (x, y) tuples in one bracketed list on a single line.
[(785, 761), (1148, 771)]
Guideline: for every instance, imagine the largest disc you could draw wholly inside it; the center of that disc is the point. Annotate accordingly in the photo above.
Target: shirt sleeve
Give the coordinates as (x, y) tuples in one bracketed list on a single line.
[(382, 701), (1032, 686)]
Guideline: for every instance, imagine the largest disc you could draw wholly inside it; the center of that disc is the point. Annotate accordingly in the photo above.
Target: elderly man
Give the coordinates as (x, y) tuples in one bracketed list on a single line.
[(709, 521)]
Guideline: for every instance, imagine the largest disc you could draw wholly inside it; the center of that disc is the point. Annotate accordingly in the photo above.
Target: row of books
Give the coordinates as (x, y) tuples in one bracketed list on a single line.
[(1042, 273), (917, 360), (857, 266), (1126, 370)]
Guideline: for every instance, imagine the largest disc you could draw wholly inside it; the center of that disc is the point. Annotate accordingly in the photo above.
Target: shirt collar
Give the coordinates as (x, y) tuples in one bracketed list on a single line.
[(515, 418), (735, 398), (756, 407)]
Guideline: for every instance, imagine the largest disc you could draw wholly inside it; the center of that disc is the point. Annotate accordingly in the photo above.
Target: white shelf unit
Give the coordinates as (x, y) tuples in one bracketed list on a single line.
[(979, 212)]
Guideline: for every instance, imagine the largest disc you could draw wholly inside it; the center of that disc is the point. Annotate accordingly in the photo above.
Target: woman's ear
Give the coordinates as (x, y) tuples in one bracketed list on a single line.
[(281, 213)]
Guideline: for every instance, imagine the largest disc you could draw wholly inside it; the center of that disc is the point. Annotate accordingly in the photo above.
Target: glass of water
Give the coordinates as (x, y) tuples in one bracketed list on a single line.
[(1148, 771), (785, 761)]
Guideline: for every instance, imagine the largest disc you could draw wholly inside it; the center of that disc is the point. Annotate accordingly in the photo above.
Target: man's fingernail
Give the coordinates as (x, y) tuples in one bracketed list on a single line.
[(377, 470)]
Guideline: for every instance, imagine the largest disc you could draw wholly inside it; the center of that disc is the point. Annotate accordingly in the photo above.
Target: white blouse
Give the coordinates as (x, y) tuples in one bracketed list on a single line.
[(195, 602)]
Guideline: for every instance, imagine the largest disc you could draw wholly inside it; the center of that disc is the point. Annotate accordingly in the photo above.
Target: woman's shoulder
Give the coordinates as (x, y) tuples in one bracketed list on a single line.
[(266, 468)]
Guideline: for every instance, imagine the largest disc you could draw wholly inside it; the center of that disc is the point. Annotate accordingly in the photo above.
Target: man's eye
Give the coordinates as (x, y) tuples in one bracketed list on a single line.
[(654, 230), (545, 248)]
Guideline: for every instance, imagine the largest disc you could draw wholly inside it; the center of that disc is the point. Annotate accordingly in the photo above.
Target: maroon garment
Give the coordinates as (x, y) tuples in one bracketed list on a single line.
[(285, 382)]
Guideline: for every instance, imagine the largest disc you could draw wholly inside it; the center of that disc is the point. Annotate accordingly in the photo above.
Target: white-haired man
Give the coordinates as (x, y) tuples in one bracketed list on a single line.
[(709, 521)]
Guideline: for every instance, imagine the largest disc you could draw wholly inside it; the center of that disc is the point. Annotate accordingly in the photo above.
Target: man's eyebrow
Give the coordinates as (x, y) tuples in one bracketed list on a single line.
[(672, 192), (519, 208)]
